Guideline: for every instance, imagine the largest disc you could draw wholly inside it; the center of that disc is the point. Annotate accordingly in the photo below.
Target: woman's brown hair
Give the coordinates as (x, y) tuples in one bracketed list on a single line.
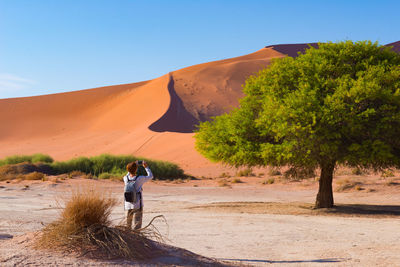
[(131, 168)]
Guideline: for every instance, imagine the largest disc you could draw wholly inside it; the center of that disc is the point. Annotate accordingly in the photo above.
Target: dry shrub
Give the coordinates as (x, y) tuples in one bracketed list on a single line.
[(84, 226), (75, 174), (347, 184), (34, 176), (223, 183), (224, 175), (392, 182), (118, 178), (299, 173), (178, 181), (245, 172), (236, 181), (358, 188), (269, 181), (274, 172), (357, 171), (23, 170), (387, 173)]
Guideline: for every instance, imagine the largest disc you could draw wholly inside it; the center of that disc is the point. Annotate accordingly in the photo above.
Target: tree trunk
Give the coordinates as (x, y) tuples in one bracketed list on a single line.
[(325, 193)]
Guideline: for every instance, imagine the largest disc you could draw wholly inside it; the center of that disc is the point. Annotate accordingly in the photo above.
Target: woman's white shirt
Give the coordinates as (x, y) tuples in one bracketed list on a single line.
[(140, 180)]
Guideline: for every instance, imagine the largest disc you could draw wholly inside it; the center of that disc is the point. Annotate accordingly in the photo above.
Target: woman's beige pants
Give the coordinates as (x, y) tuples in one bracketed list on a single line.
[(138, 218)]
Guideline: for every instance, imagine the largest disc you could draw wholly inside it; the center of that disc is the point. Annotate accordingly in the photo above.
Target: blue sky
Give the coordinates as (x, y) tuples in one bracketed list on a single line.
[(57, 46)]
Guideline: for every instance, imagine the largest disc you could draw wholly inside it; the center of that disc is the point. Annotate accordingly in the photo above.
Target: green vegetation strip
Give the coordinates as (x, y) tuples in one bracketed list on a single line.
[(104, 166)]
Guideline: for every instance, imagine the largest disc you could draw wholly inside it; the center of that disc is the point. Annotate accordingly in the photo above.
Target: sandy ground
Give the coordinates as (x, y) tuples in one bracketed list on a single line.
[(241, 224)]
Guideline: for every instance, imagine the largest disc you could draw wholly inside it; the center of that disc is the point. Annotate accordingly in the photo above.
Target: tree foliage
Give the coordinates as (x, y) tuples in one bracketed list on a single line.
[(336, 104), (340, 102)]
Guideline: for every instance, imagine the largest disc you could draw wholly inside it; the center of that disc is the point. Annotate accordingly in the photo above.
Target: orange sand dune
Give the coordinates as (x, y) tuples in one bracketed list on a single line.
[(152, 119)]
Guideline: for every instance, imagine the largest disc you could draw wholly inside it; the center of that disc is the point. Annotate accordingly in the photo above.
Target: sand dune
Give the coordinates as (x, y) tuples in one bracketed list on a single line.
[(152, 119)]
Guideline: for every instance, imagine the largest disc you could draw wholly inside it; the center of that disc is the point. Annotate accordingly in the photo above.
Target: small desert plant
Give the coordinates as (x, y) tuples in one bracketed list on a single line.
[(245, 172), (358, 188), (391, 183), (105, 175), (75, 174), (299, 173), (357, 171), (274, 172), (223, 183), (224, 175), (34, 176), (236, 181), (347, 184), (178, 181), (84, 226), (387, 173), (269, 181), (118, 178)]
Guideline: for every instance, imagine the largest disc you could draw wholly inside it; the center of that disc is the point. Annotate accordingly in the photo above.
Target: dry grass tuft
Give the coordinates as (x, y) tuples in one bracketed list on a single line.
[(34, 176), (387, 173), (76, 174), (299, 173), (274, 172), (224, 183), (236, 181), (392, 182), (84, 226), (245, 173), (224, 175), (357, 171), (269, 181), (347, 184), (23, 171)]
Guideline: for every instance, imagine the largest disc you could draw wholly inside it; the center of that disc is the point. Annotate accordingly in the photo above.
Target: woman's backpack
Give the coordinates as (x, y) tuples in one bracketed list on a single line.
[(130, 191)]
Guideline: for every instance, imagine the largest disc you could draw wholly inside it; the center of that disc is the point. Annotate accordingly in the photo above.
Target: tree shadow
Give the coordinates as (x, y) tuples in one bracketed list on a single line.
[(363, 209), (5, 236), (329, 260)]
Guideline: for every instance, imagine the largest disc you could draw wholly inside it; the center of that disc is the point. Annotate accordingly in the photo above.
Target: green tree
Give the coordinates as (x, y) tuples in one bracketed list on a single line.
[(335, 105)]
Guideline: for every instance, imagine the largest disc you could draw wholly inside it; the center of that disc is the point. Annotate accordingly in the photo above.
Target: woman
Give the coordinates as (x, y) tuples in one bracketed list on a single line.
[(136, 208)]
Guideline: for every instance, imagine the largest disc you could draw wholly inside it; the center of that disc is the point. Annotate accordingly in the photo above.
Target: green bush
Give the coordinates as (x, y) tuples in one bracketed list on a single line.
[(34, 158), (97, 165), (82, 164), (105, 175), (110, 163), (41, 158)]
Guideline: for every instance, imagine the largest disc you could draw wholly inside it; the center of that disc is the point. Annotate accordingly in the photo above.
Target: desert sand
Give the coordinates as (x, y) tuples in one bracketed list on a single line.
[(263, 228)]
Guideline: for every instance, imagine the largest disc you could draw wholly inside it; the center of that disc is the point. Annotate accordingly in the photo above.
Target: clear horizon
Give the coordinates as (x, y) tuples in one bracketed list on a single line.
[(50, 47)]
